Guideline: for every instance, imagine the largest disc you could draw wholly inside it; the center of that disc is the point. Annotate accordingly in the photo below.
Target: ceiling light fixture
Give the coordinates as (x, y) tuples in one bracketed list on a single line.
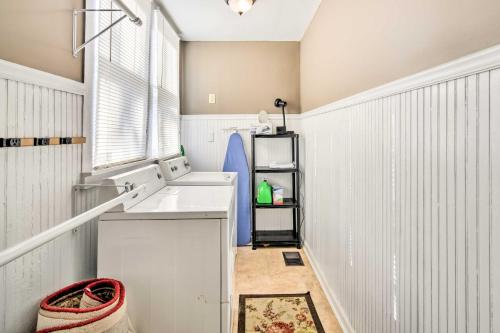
[(240, 6)]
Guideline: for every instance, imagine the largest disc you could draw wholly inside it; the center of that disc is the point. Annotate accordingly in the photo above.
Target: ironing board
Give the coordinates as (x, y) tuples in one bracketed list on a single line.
[(236, 161)]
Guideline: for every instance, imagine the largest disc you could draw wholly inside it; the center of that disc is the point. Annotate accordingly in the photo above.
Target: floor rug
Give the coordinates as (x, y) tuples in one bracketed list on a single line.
[(284, 313)]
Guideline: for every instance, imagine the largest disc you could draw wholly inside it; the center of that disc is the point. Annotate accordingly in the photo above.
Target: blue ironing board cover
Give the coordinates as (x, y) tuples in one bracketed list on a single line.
[(236, 161)]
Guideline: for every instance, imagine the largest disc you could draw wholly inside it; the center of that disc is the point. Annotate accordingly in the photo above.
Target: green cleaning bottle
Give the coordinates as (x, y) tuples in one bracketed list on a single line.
[(264, 193)]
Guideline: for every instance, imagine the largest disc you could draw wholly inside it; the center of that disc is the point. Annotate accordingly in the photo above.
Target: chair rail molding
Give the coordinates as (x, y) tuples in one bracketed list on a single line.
[(20, 73)]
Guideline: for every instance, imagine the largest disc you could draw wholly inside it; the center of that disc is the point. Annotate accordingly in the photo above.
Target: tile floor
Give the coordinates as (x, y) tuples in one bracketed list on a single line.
[(263, 271)]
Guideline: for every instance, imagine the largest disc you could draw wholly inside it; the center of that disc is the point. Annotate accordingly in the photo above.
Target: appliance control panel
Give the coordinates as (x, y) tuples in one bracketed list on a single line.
[(175, 168), (150, 176)]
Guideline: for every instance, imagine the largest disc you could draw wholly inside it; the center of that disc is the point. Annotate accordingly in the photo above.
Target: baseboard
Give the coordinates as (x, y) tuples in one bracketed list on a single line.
[(330, 295)]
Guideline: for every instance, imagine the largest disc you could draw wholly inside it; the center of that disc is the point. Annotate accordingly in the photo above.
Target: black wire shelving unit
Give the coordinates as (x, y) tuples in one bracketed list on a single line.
[(262, 238)]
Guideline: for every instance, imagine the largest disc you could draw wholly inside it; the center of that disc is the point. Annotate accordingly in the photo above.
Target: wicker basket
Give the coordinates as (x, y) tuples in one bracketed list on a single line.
[(97, 305)]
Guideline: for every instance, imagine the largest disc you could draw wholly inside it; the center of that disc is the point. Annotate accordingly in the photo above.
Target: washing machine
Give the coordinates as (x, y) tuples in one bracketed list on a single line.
[(177, 172), (169, 246)]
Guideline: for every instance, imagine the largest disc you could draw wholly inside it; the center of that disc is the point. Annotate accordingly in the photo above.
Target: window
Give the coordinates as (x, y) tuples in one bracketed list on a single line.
[(137, 92), (121, 115), (167, 87)]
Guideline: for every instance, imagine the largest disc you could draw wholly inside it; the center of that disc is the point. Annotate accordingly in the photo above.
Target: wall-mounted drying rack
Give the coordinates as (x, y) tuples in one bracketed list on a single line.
[(28, 142), (83, 187), (121, 8), (20, 249)]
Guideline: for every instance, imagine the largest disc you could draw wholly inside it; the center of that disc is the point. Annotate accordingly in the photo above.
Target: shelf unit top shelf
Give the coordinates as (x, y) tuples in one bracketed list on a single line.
[(276, 136)]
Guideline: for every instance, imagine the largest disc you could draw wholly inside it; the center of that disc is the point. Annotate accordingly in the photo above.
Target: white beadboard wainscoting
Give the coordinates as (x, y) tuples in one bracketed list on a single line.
[(401, 193), (205, 139), (36, 191), (403, 201)]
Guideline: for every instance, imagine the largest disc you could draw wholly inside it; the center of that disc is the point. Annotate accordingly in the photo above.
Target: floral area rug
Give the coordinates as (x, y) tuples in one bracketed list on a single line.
[(287, 313)]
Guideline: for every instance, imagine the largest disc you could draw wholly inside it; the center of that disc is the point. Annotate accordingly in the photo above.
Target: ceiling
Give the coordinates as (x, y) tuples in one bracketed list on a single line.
[(268, 20)]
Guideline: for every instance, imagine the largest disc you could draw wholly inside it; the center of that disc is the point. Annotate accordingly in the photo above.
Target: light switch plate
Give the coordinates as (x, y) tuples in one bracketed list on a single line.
[(211, 98)]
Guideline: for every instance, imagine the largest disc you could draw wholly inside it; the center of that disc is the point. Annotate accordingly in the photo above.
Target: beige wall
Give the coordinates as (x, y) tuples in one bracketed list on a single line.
[(38, 34), (352, 46), (245, 76)]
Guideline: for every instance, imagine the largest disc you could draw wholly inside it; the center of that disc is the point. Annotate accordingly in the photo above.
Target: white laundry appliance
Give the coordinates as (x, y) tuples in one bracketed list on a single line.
[(170, 247), (177, 172)]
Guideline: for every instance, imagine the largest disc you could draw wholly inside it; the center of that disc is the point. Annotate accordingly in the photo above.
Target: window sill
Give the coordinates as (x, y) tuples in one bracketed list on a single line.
[(100, 174)]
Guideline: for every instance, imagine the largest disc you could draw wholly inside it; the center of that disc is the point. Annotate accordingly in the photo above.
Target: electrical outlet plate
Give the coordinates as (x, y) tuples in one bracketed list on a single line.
[(211, 98)]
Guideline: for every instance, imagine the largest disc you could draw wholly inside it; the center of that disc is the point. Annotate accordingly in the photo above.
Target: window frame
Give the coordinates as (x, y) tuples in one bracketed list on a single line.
[(157, 13), (90, 99)]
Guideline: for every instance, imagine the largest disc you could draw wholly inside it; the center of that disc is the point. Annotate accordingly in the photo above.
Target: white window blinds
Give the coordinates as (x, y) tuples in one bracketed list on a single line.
[(121, 116), (167, 85)]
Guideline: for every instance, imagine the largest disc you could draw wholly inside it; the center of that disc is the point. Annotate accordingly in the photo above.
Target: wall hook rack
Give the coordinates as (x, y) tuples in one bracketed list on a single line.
[(235, 129), (41, 141), (121, 8)]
